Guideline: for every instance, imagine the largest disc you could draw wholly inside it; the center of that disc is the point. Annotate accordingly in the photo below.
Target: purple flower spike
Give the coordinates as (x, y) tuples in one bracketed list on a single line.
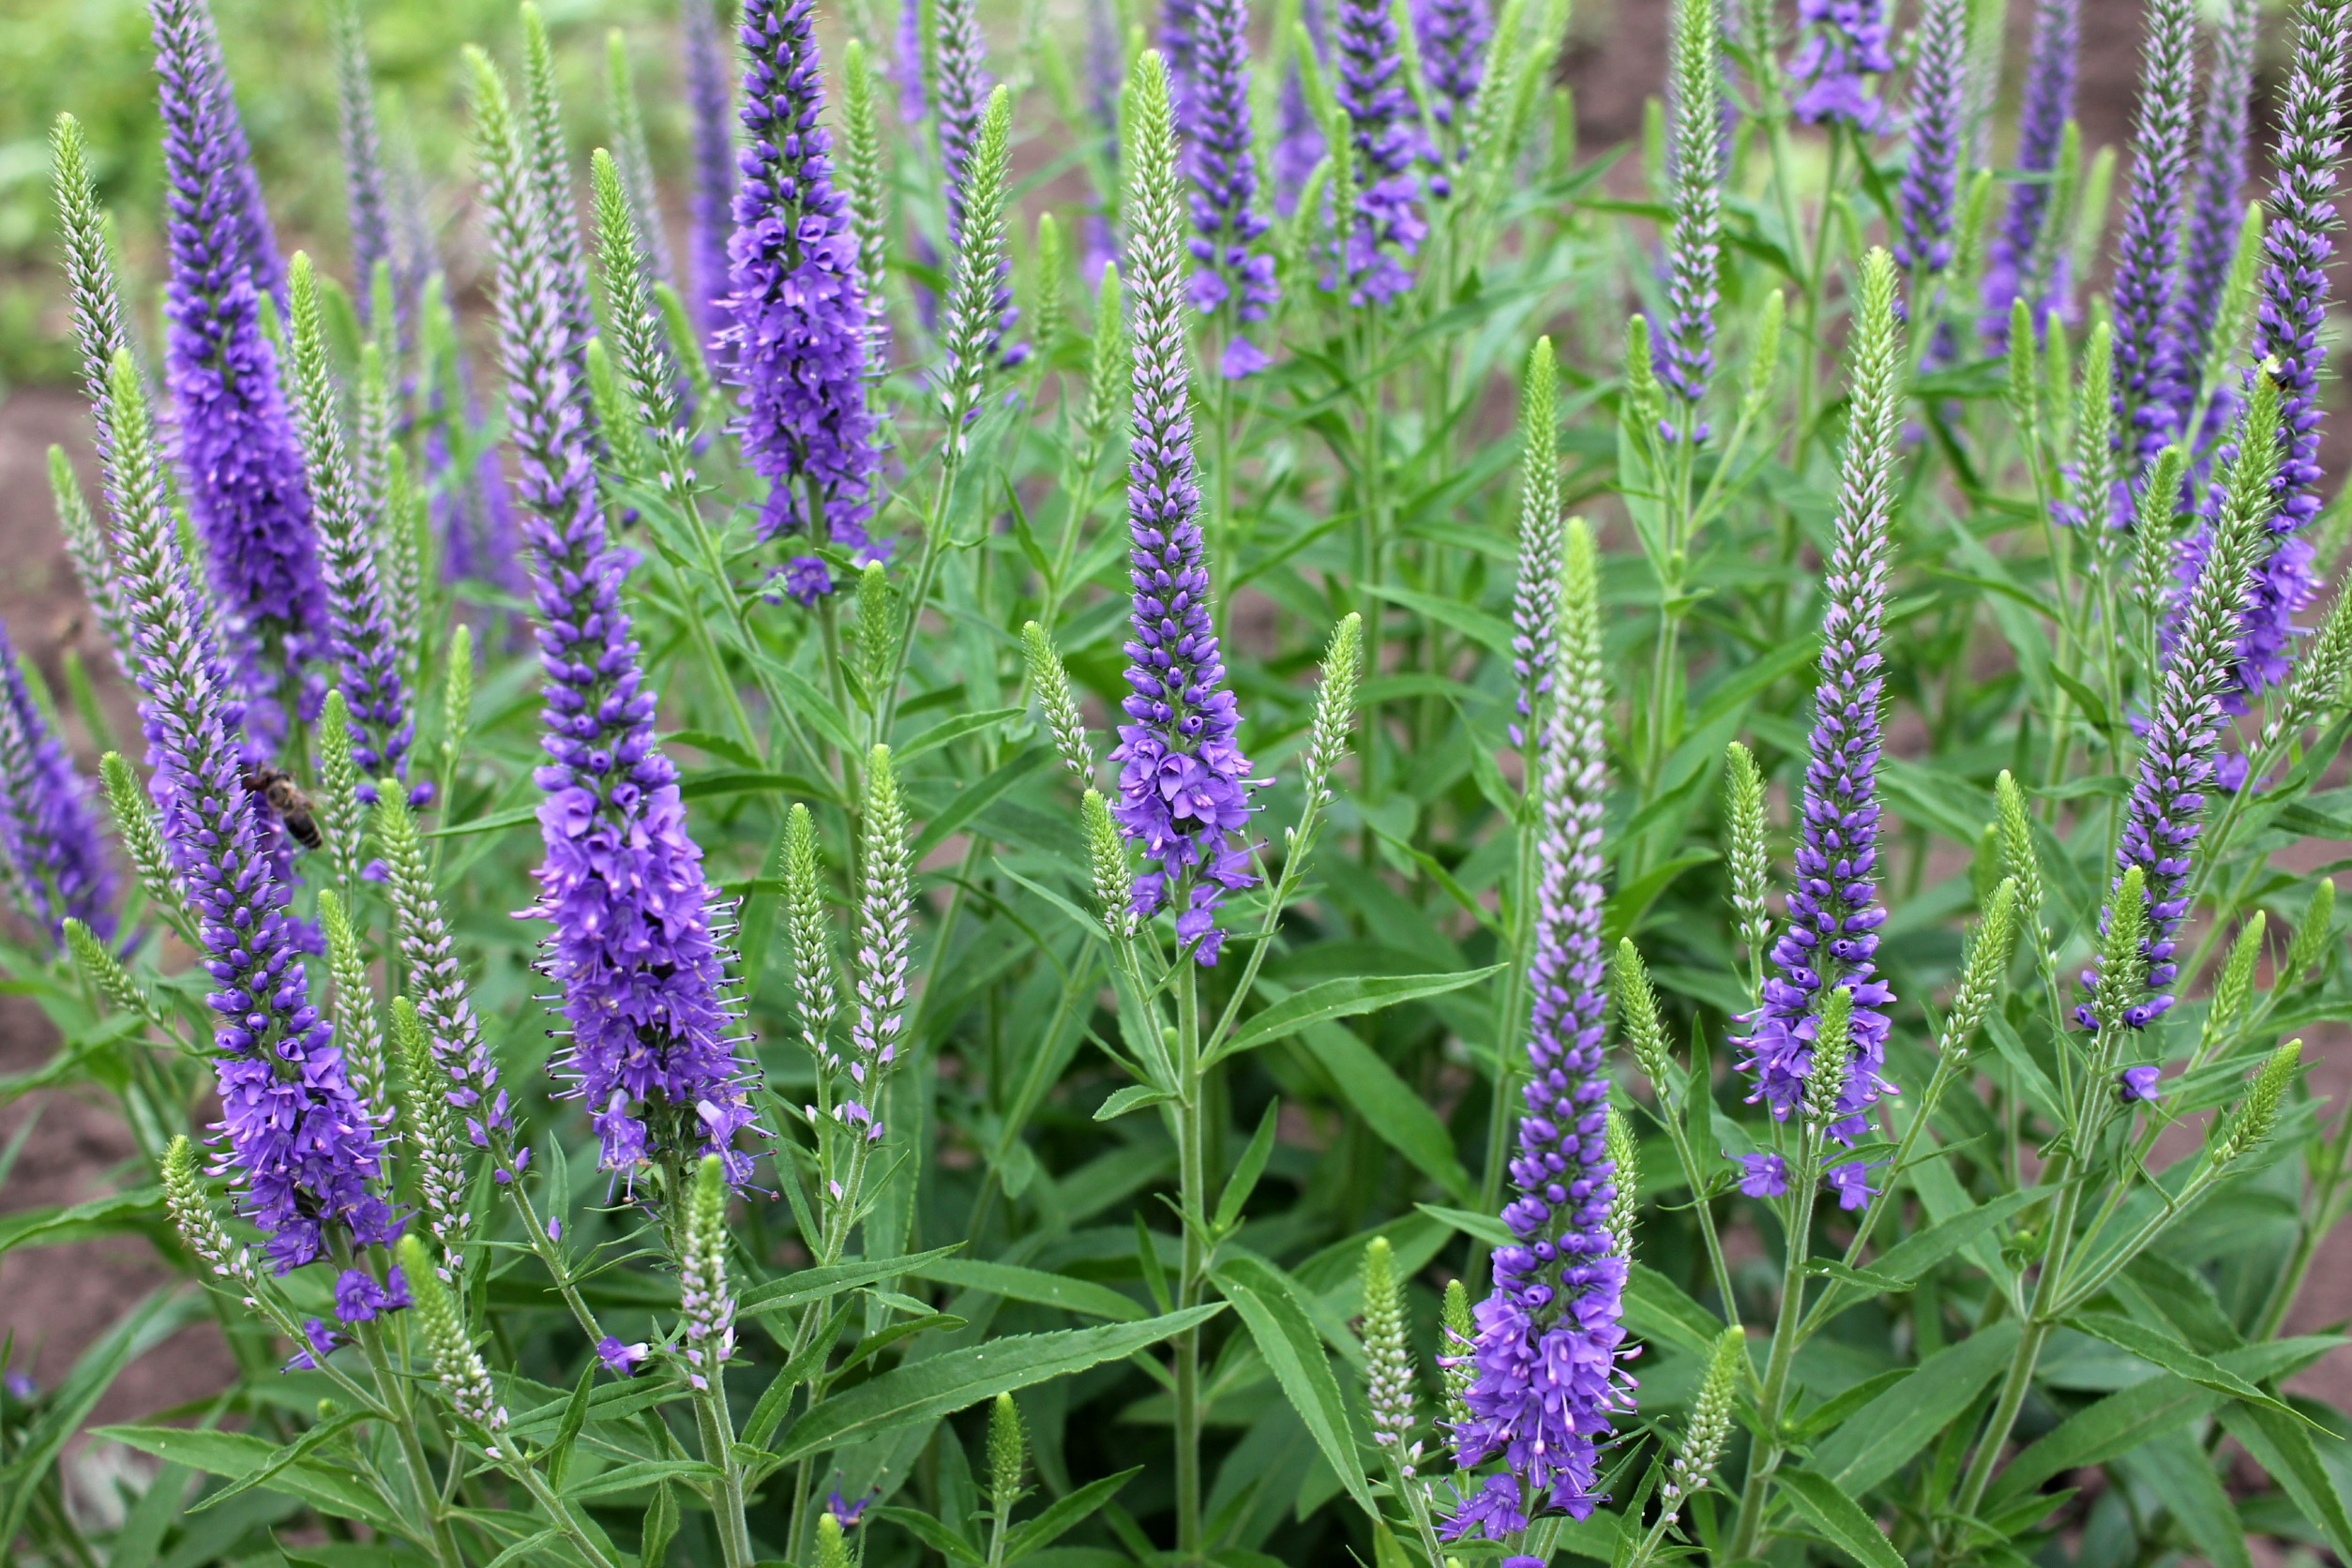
[(1763, 1175), (301, 1145), (711, 198), (47, 827), (1380, 237), (795, 339), (905, 64), (2216, 189), (1184, 783), (2148, 251), (2048, 104), (1453, 36), (1845, 42), (631, 948), (1832, 909), (236, 445), (2137, 1085), (366, 199), (1544, 1379), (1939, 95), (2297, 251), (1236, 272)]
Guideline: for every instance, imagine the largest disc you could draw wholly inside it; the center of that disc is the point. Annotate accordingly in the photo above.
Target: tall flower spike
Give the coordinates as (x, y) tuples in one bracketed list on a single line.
[(2146, 266), (797, 333), (2294, 307), (1183, 784), (975, 298), (960, 70), (1833, 910), (807, 932), (1388, 1358), (424, 1127), (2218, 205), (547, 176), (465, 1383), (1379, 236), (711, 198), (1744, 823), (299, 1142), (1453, 36), (630, 944), (631, 318), (866, 187), (885, 919), (1545, 1378), (1688, 351), (86, 547), (366, 201), (2041, 119), (367, 653), (634, 159), (2161, 824), (1845, 46), (436, 982), (1235, 279), (92, 288), (356, 1024), (705, 1308), (1536, 589), (46, 825), (237, 447), (1939, 103)]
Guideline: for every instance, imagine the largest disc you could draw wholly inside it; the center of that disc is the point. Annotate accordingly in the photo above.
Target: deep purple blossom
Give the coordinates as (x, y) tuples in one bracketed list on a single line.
[(47, 827), (905, 64), (1850, 1184), (1834, 914), (1452, 35), (2146, 264), (362, 1298), (237, 450), (1493, 1511), (1380, 239), (630, 947), (2137, 1085), (1763, 1175), (1184, 783), (795, 339), (710, 199), (300, 1144), (847, 1514), (1545, 1378), (619, 1358), (2217, 206), (1845, 43), (1940, 106), (257, 239), (2048, 104), (1236, 272), (319, 1341)]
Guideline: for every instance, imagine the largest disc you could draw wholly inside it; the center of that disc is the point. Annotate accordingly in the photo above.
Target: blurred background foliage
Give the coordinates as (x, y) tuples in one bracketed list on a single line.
[(94, 58)]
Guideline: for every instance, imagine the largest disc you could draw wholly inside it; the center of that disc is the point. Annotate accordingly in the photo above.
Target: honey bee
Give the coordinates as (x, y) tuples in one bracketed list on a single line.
[(285, 797)]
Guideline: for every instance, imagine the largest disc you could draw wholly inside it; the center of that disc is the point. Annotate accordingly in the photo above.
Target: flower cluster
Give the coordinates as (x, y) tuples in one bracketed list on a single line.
[(710, 205), (796, 329), (236, 445), (1380, 239), (1939, 83), (1545, 1378), (631, 945), (1453, 36), (1686, 355), (2017, 242), (46, 829), (2215, 215), (1833, 914), (1184, 783), (1235, 270), (2148, 253), (300, 1145), (961, 76), (1845, 44)]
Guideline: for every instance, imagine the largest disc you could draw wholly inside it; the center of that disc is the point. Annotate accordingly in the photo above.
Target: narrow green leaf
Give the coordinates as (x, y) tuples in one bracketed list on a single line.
[(2283, 1447), (1285, 1337), (644, 1472), (1342, 997), (1015, 1283), (816, 1285), (922, 1389), (1841, 1520), (1064, 1514), (1390, 1107), (2154, 1347), (1882, 1437)]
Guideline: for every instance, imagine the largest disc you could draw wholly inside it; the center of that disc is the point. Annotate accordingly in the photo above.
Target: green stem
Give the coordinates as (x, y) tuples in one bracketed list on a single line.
[(1193, 1180), (393, 1394), (1765, 1455)]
